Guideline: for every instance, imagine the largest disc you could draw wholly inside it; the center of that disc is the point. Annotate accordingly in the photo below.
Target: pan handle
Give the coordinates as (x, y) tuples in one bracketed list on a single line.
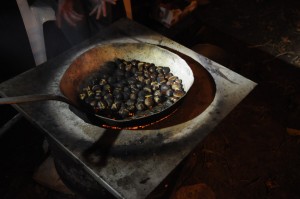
[(34, 98)]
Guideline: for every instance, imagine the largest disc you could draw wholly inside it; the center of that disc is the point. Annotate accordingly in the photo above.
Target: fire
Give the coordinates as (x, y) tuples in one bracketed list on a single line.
[(139, 126)]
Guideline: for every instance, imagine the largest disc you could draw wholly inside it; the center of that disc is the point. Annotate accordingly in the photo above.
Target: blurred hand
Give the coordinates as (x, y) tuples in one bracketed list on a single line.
[(67, 12), (100, 7)]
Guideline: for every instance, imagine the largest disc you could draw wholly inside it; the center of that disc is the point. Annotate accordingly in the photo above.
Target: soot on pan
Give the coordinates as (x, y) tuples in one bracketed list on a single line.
[(131, 89)]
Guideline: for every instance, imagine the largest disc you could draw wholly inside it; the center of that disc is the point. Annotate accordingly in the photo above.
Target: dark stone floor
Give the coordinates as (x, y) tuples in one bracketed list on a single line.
[(250, 154)]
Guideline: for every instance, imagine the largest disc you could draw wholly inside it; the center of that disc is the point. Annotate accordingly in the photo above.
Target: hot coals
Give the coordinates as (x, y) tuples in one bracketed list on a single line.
[(131, 89)]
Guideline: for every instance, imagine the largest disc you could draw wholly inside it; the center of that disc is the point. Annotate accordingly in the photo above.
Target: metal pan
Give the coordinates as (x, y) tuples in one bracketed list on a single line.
[(88, 63)]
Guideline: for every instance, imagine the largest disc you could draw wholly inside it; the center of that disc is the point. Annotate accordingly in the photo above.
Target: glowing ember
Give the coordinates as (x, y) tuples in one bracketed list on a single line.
[(139, 126)]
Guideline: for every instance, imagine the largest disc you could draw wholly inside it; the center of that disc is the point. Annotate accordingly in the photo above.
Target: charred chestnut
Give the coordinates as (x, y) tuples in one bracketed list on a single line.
[(122, 89), (102, 105), (140, 106), (149, 102), (116, 105), (123, 112)]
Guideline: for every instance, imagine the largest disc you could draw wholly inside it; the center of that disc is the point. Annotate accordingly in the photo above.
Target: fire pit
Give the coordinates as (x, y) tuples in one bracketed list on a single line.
[(127, 163)]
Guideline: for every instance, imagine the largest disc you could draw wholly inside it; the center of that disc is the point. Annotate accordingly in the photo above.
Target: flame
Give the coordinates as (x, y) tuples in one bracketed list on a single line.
[(139, 126)]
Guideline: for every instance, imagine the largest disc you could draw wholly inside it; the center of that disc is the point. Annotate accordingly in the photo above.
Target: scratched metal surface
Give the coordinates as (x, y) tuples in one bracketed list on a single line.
[(125, 174)]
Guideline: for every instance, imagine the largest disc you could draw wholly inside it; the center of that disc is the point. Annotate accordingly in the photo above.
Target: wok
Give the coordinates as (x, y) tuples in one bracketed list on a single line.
[(82, 69)]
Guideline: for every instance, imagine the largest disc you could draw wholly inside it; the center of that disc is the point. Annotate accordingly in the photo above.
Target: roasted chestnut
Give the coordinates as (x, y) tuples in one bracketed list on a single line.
[(123, 89)]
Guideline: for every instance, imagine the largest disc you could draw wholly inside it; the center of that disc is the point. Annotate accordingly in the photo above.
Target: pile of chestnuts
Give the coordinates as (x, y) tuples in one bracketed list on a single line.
[(124, 89)]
